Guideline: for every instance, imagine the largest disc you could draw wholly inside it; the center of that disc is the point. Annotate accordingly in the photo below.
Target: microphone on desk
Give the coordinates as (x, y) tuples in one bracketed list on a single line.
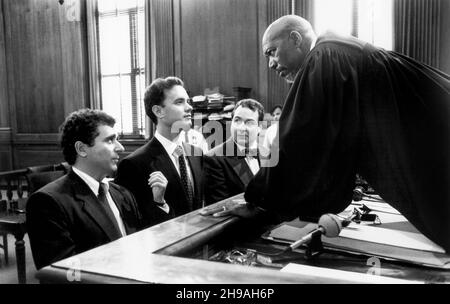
[(358, 193), (330, 225)]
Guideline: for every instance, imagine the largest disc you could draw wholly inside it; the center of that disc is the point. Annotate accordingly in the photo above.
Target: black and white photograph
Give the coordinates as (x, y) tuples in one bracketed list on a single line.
[(225, 149)]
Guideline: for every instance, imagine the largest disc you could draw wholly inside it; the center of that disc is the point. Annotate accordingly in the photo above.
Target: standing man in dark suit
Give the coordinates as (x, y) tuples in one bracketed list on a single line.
[(165, 175), (230, 166), (82, 210)]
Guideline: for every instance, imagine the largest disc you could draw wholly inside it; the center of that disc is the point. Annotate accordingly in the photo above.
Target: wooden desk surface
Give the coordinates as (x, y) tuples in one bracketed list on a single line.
[(12, 217), (145, 257)]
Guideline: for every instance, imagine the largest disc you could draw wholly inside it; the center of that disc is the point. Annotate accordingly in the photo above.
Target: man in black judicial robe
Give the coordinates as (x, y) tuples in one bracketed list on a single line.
[(355, 108)]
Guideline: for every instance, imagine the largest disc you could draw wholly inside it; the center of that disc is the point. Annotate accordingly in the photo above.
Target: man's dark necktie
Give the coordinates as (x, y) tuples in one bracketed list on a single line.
[(187, 186), (251, 152), (102, 190)]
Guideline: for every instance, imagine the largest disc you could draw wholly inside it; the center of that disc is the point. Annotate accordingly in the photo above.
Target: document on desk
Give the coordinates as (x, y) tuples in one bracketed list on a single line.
[(410, 240), (394, 239)]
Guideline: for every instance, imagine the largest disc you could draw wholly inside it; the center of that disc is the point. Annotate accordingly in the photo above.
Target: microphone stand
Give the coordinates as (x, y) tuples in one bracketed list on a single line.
[(315, 247), (312, 242)]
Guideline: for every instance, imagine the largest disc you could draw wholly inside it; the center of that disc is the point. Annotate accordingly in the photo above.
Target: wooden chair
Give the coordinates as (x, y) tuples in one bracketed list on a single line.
[(15, 201), (39, 176), (12, 183)]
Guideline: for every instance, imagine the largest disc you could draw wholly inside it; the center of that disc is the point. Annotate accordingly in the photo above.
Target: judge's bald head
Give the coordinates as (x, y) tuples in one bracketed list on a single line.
[(286, 42)]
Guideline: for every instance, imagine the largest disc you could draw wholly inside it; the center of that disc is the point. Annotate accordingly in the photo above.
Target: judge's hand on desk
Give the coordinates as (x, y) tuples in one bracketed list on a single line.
[(238, 208)]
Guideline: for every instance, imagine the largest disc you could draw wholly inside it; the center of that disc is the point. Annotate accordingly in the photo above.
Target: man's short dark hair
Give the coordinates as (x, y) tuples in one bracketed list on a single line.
[(154, 93), (81, 126), (278, 106), (252, 105)]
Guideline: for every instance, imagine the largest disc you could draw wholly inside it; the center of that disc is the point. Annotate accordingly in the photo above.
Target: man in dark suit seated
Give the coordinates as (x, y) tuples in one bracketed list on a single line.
[(82, 210), (230, 166), (165, 175)]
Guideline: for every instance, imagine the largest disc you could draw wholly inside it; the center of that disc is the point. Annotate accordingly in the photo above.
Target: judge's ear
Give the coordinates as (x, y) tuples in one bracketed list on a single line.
[(296, 38), (158, 111), (80, 147)]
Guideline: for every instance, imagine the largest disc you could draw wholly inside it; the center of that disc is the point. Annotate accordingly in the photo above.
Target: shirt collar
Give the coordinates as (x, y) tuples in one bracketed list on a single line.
[(169, 145), (242, 148), (90, 181)]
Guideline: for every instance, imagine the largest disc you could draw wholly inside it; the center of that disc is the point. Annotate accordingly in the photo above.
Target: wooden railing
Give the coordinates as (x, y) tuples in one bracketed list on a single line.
[(13, 196), (13, 189), (16, 185)]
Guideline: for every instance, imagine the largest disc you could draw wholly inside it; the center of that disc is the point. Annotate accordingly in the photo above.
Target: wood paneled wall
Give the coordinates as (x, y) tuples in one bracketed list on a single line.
[(218, 44), (46, 69), (4, 111), (444, 61), (278, 88), (162, 33), (5, 129)]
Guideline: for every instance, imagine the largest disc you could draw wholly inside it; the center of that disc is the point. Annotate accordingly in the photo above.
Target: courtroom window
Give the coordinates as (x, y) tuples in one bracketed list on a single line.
[(121, 51), (369, 20)]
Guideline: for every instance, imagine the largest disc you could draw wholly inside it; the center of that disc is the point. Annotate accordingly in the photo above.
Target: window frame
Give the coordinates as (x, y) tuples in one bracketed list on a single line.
[(95, 75), (354, 22)]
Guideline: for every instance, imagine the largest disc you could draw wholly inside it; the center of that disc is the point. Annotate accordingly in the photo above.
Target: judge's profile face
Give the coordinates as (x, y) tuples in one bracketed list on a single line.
[(283, 54), (176, 110), (244, 126)]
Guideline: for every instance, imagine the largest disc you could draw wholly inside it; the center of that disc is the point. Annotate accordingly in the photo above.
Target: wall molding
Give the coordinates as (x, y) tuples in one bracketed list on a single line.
[(32, 138), (5, 135)]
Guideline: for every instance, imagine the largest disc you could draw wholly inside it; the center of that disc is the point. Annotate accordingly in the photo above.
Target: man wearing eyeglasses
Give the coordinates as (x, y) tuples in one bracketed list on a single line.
[(230, 166)]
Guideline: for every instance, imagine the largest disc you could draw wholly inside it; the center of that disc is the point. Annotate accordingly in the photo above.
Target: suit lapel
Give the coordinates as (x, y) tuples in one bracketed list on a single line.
[(91, 206), (119, 201), (238, 163), (161, 161), (117, 198), (241, 168)]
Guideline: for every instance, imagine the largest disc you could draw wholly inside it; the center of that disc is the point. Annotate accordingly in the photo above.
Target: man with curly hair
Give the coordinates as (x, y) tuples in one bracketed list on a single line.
[(82, 210)]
